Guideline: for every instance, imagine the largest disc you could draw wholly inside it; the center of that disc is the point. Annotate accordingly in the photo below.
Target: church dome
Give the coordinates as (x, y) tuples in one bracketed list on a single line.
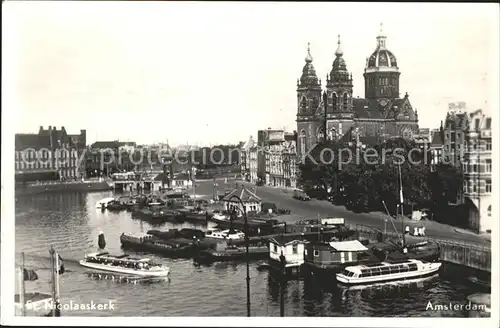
[(382, 58), (309, 76)]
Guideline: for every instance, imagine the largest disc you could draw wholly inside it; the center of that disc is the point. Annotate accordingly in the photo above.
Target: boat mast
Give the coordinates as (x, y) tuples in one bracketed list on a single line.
[(401, 205)]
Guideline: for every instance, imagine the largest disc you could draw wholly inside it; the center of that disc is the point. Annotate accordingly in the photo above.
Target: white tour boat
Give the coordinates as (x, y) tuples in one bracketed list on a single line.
[(123, 264), (225, 234), (103, 203), (387, 271)]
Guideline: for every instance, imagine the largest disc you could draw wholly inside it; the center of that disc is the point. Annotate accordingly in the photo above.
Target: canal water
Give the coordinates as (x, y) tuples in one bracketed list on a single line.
[(70, 223)]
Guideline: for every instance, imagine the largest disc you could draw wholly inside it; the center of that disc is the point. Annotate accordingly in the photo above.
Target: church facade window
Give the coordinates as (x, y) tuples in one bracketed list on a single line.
[(334, 102), (345, 101), (315, 102), (302, 142), (303, 104)]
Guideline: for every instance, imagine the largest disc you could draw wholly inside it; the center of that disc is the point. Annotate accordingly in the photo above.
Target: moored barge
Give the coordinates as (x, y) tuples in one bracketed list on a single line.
[(143, 242)]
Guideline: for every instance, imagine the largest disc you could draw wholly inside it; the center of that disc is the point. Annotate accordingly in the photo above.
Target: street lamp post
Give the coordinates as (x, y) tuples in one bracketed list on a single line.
[(246, 249)]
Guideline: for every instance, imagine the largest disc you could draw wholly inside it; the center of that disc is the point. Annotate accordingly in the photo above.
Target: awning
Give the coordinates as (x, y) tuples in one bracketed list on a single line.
[(348, 246)]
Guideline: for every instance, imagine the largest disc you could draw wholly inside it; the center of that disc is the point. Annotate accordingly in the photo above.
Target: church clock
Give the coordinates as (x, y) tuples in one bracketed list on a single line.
[(383, 102)]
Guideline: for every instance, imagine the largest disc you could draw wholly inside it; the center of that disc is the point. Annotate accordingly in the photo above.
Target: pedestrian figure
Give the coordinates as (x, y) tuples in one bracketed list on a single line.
[(407, 230)]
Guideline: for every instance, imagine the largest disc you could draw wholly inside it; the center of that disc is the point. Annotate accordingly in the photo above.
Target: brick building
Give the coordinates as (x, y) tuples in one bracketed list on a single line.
[(50, 154)]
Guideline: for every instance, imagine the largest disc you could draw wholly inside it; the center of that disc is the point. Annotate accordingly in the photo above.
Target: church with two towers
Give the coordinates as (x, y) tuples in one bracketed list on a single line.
[(333, 113)]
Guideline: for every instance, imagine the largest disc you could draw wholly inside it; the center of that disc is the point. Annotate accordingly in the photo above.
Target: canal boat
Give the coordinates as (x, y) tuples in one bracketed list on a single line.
[(193, 215), (420, 250), (387, 271), (103, 203), (224, 234), (124, 264), (143, 242), (157, 214), (227, 252)]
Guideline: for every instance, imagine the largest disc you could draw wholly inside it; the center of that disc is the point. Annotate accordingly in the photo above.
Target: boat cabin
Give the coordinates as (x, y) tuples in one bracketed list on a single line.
[(225, 234), (137, 237), (325, 254), (103, 203), (120, 260), (380, 269), (291, 248)]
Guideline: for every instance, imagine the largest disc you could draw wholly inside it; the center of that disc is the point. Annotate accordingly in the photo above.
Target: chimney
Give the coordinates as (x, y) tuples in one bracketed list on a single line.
[(50, 127), (54, 128)]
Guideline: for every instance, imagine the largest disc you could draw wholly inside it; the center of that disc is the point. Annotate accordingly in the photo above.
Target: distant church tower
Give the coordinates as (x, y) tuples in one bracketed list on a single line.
[(308, 102), (381, 72), (339, 105)]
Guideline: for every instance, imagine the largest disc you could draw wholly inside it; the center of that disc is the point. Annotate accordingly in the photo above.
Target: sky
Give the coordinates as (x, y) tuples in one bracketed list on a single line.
[(209, 73)]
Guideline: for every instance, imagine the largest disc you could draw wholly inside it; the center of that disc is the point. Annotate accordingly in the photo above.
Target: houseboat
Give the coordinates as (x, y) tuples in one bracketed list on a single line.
[(123, 264), (328, 258), (103, 203), (286, 253), (144, 242), (387, 271)]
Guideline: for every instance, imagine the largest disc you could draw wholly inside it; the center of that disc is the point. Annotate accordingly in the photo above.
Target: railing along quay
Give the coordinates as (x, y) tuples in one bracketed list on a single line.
[(462, 253)]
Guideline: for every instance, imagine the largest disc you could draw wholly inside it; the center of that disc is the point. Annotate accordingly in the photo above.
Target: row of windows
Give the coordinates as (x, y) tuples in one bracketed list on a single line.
[(45, 154), (390, 270), (295, 249), (477, 168), (381, 81), (472, 186), (45, 164)]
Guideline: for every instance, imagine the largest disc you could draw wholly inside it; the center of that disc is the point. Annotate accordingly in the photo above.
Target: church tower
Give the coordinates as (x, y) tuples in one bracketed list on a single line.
[(339, 104), (308, 103), (381, 72)]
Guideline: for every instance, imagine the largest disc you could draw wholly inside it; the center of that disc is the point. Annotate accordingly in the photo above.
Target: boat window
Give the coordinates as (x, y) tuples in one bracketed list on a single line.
[(345, 272), (294, 249), (384, 270), (394, 269), (413, 267), (316, 253), (404, 269), (275, 248)]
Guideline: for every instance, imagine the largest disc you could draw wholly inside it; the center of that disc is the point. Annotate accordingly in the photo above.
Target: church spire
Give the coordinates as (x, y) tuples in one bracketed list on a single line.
[(309, 58), (339, 51), (381, 37)]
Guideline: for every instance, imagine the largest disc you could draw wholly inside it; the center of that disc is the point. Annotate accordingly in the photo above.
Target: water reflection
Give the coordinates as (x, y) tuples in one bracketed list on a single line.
[(70, 223)]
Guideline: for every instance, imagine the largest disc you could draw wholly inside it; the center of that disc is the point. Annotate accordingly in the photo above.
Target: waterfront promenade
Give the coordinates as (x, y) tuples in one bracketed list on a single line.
[(314, 208)]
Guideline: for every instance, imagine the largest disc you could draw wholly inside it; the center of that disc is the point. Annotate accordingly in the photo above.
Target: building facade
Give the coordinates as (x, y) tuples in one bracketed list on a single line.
[(245, 160), (49, 155), (454, 127), (332, 112), (278, 151), (477, 168), (253, 164), (436, 148)]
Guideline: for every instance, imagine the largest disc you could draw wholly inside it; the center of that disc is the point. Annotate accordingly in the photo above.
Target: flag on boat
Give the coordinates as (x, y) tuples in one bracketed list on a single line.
[(29, 275), (59, 264)]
